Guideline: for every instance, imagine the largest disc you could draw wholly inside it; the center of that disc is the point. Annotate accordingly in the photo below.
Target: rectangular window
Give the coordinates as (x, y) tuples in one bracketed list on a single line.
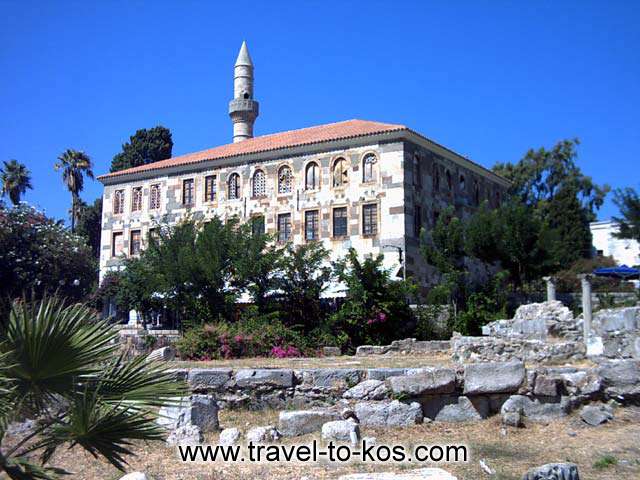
[(136, 199), (134, 243), (370, 219), (154, 197), (117, 244), (257, 225), (118, 202), (154, 233), (187, 192), (417, 221), (284, 227), (340, 222), (209, 188), (311, 225)]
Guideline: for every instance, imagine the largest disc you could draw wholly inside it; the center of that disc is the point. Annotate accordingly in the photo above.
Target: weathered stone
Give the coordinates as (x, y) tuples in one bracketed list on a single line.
[(266, 434), (388, 414), (420, 474), (229, 436), (198, 410), (445, 408), (595, 415), (512, 419), (364, 350), (430, 381), (164, 354), (384, 373), (542, 409), (553, 471), (367, 390), (330, 378), (493, 377), (547, 386), (621, 379), (185, 435), (209, 378), (301, 422), (331, 351), (616, 319), (135, 476), (342, 431), (264, 377)]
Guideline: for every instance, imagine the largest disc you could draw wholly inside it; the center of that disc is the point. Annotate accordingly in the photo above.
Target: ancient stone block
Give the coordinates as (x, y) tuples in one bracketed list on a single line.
[(553, 471), (266, 434), (185, 435), (429, 381), (229, 436), (542, 409), (367, 390), (595, 415), (198, 410), (338, 378), (342, 431), (384, 373), (264, 377), (389, 414), (493, 377), (301, 422), (208, 378), (451, 408)]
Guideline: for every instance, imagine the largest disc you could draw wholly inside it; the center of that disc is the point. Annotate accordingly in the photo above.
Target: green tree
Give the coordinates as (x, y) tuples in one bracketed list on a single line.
[(59, 365), (375, 309), (303, 275), (511, 235), (74, 165), (16, 179), (628, 201), (90, 224), (39, 255), (145, 146), (443, 247), (562, 197)]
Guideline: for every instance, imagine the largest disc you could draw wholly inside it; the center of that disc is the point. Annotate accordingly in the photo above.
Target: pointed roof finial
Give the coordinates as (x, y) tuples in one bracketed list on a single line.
[(243, 56)]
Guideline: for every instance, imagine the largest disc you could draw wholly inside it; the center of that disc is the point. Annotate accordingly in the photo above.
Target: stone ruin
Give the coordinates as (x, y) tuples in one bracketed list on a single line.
[(549, 332)]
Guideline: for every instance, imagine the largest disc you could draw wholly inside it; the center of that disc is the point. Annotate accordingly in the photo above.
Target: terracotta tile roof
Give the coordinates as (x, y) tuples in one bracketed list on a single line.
[(276, 141)]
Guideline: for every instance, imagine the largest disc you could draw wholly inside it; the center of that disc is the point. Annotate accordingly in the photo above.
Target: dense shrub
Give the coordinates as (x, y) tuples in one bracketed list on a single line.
[(252, 335), (39, 255)]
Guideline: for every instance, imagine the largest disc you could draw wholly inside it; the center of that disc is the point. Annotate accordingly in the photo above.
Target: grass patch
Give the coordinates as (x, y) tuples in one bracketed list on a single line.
[(605, 461)]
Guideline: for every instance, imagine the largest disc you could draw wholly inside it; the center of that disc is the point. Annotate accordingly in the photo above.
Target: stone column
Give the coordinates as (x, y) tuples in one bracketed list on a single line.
[(551, 288), (585, 279)]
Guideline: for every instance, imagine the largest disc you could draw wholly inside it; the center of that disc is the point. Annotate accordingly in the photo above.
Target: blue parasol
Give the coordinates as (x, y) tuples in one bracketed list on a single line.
[(624, 272)]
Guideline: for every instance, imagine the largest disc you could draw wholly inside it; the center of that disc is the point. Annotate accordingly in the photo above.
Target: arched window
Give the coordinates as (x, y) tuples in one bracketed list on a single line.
[(476, 193), (462, 183), (312, 176), (258, 184), (340, 173), (449, 181), (234, 186), (436, 177), (369, 168), (284, 180)]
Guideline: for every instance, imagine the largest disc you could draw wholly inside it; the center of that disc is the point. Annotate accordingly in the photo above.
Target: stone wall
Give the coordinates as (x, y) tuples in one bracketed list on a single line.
[(458, 393), (406, 346)]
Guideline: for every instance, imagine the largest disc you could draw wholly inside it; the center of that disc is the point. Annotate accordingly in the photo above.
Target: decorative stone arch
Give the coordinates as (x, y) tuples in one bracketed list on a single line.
[(312, 175), (284, 179), (258, 183), (370, 163), (234, 185), (340, 167)]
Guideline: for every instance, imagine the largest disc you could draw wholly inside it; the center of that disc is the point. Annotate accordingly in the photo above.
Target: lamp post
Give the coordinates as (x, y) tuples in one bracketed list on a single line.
[(400, 259)]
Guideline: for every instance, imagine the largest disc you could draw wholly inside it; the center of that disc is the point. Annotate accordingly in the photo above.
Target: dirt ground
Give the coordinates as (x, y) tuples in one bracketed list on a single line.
[(510, 455)]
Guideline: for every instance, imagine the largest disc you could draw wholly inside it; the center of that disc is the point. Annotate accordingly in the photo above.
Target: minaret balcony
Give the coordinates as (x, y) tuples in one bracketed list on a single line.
[(243, 105)]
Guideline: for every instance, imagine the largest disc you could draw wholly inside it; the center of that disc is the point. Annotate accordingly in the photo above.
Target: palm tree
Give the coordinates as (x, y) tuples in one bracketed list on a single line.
[(75, 165), (16, 179), (59, 366)]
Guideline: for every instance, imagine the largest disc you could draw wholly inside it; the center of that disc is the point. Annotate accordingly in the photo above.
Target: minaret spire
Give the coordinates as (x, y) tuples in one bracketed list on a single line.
[(243, 109)]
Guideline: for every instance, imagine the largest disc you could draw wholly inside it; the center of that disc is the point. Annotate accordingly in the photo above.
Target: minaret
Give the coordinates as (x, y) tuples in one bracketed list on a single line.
[(243, 109)]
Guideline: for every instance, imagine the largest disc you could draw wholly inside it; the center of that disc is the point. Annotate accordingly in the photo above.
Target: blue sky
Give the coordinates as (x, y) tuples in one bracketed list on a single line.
[(489, 79)]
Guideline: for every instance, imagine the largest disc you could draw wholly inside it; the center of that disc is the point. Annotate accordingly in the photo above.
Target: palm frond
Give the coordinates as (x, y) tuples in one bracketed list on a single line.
[(100, 428), (51, 345), (139, 384), (20, 468)]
